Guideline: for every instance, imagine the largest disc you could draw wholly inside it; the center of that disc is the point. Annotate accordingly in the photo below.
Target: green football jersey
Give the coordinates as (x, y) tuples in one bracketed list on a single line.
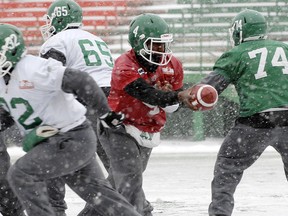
[(259, 71)]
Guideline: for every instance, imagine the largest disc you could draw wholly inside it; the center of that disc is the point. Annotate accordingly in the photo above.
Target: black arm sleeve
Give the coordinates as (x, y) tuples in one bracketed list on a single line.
[(5, 119), (55, 54), (86, 89), (217, 81), (141, 90)]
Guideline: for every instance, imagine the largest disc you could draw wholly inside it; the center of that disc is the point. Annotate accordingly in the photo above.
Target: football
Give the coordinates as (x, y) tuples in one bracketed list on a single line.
[(204, 97)]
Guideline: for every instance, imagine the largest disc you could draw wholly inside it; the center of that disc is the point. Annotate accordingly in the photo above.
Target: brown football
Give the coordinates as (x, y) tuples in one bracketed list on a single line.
[(205, 97)]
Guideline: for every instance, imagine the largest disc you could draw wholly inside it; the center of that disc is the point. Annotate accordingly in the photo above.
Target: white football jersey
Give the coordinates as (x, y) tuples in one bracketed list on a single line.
[(34, 96), (83, 51)]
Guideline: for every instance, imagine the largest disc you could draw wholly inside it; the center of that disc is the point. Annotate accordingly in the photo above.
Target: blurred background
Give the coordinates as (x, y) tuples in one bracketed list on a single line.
[(200, 29)]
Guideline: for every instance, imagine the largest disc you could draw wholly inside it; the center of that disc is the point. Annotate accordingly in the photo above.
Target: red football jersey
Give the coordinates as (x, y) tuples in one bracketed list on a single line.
[(126, 70)]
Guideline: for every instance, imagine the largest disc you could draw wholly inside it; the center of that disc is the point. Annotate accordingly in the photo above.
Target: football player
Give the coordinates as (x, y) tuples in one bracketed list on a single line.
[(76, 48), (258, 68), (145, 84), (59, 140), (68, 43)]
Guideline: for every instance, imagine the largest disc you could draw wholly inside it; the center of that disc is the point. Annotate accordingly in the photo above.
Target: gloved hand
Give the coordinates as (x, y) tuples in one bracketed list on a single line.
[(199, 97), (37, 135), (112, 119)]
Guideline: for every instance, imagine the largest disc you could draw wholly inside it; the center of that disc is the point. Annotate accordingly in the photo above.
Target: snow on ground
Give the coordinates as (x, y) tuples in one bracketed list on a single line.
[(179, 173)]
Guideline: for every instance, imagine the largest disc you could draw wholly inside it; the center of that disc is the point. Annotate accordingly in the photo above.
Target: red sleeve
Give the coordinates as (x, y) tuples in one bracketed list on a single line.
[(124, 72)]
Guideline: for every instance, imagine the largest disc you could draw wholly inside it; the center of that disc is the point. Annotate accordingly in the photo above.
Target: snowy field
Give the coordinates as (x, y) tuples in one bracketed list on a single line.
[(177, 182)]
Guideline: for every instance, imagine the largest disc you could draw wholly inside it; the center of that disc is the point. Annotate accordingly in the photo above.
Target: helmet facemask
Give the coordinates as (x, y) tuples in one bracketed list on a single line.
[(150, 38), (5, 65), (235, 33), (61, 15), (47, 30), (157, 57), (9, 54)]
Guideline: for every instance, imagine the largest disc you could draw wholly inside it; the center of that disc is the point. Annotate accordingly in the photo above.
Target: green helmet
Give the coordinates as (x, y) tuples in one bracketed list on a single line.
[(61, 15), (12, 48), (246, 26), (146, 30)]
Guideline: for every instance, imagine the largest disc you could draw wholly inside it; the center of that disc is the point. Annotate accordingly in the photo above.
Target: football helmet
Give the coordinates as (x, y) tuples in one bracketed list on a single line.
[(146, 31), (246, 26), (62, 14), (12, 48)]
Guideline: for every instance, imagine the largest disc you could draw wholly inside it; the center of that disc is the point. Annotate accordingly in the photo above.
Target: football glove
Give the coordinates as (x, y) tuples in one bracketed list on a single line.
[(112, 119), (37, 135)]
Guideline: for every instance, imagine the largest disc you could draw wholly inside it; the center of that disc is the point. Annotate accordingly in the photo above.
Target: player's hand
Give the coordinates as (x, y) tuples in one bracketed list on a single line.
[(112, 119), (199, 97), (164, 86), (38, 135), (186, 97)]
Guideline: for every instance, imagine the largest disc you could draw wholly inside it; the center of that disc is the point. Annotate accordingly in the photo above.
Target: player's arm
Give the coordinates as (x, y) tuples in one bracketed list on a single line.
[(218, 81), (55, 54), (5, 119), (85, 88), (141, 90)]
